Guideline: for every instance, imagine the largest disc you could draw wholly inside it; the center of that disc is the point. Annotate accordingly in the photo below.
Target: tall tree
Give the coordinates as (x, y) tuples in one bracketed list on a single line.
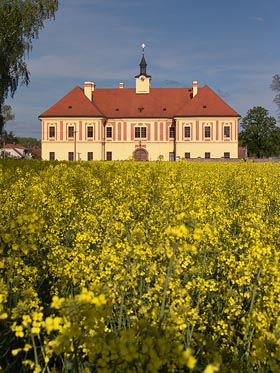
[(7, 113), (260, 133), (20, 23), (275, 86), (9, 138)]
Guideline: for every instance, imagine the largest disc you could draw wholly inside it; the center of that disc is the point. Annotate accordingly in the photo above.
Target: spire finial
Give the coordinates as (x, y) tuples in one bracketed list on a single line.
[(143, 64)]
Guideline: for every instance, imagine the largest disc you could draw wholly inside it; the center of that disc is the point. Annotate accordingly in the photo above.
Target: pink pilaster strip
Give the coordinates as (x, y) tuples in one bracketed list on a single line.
[(119, 131), (114, 129), (161, 132), (80, 130), (197, 131), (155, 131), (61, 130), (149, 132), (167, 125), (125, 131)]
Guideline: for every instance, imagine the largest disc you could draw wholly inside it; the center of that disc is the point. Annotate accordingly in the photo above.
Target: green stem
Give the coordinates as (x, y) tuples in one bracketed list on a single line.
[(46, 367), (166, 284), (251, 309), (76, 360), (35, 350)]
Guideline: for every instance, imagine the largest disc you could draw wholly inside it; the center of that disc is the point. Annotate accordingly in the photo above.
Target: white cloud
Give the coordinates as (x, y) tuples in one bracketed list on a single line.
[(255, 18), (100, 40)]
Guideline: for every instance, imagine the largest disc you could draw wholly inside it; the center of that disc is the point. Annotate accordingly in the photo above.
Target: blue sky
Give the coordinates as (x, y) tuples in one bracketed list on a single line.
[(232, 46)]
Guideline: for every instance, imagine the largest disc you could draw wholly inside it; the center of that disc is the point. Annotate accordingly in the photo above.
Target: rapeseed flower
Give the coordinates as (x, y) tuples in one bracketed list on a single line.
[(141, 267)]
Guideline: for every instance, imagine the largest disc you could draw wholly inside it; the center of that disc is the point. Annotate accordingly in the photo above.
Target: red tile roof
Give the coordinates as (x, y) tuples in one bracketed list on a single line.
[(17, 148), (73, 104), (125, 103), (14, 146)]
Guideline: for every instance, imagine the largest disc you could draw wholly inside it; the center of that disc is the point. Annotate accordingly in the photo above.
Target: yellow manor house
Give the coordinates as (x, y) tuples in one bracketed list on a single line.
[(142, 123)]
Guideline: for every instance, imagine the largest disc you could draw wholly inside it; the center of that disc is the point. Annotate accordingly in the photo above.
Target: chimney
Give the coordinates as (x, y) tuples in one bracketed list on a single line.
[(121, 85), (194, 88), (88, 89)]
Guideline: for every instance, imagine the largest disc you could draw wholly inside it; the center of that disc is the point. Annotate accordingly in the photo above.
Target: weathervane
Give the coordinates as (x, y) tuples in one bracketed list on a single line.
[(143, 47)]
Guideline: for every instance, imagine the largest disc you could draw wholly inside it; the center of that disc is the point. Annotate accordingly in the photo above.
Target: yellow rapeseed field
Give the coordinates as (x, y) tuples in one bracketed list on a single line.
[(139, 267)]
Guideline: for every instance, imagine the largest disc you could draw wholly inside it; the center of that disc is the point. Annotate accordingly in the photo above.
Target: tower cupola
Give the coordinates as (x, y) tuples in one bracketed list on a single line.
[(143, 80)]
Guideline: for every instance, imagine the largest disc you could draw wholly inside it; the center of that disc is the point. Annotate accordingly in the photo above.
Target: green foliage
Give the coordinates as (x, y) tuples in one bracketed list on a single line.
[(7, 113), (20, 23), (275, 86), (9, 138), (28, 141), (260, 133)]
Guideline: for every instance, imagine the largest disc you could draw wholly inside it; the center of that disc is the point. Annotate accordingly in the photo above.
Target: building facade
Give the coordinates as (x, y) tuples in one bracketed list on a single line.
[(141, 123)]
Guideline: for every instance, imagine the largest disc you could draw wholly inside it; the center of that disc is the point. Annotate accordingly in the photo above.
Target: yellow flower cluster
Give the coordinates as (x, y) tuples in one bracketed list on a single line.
[(140, 267)]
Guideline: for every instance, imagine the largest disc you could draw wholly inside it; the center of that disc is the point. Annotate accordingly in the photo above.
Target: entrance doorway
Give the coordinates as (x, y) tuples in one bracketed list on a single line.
[(140, 154)]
